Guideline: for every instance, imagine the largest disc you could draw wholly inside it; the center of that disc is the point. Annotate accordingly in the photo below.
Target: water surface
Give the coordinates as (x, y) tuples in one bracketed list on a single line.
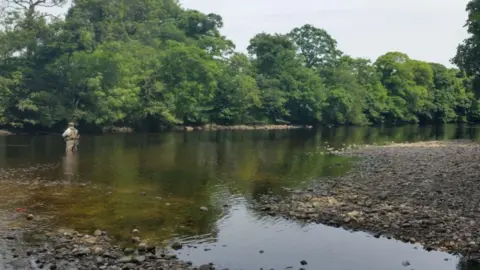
[(158, 182)]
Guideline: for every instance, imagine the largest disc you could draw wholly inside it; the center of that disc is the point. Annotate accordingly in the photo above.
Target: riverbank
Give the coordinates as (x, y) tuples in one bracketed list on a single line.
[(213, 127), (427, 193), (27, 241), (5, 132), (209, 127), (69, 249)]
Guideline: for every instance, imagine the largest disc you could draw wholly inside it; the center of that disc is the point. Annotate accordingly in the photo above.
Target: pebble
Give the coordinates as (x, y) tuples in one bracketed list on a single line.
[(142, 246), (61, 252), (125, 259), (139, 259), (176, 245), (128, 251), (395, 191), (97, 250)]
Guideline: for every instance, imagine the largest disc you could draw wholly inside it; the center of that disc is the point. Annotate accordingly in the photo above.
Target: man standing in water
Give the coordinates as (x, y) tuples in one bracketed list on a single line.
[(71, 137)]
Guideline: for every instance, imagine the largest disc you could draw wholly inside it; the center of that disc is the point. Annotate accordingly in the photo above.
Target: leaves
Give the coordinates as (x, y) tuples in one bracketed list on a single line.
[(152, 63)]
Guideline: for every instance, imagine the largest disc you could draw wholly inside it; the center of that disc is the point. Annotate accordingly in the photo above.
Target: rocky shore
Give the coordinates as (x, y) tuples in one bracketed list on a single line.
[(241, 127), (5, 132), (69, 249), (427, 193)]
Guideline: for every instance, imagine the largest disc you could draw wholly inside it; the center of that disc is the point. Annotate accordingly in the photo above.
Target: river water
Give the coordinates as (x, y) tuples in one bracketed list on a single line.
[(158, 182)]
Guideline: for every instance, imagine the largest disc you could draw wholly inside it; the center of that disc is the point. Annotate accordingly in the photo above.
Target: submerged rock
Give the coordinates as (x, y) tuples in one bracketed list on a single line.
[(177, 246)]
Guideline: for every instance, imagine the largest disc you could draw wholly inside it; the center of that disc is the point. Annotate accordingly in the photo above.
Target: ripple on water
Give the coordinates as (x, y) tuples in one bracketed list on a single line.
[(246, 240)]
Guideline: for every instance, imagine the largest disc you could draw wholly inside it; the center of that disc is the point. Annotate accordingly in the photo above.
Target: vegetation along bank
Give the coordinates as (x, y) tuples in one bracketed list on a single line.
[(150, 64)]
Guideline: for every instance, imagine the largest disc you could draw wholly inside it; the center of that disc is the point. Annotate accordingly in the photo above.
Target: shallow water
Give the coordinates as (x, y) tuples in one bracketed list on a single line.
[(158, 182), (243, 235)]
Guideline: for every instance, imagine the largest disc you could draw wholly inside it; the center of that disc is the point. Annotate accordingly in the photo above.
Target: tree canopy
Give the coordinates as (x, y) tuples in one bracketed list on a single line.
[(153, 63)]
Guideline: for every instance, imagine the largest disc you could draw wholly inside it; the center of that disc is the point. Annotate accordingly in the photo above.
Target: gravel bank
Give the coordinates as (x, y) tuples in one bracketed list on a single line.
[(24, 247), (426, 193), (68, 249)]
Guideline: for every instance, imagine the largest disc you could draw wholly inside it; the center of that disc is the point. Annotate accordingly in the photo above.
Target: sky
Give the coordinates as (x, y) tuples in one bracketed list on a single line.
[(428, 30)]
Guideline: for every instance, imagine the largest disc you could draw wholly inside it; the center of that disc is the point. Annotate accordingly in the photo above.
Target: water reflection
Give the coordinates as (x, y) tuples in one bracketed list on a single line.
[(275, 243), (70, 166), (158, 182)]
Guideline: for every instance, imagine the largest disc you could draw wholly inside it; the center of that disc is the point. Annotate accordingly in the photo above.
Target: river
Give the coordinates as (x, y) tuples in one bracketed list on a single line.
[(157, 183)]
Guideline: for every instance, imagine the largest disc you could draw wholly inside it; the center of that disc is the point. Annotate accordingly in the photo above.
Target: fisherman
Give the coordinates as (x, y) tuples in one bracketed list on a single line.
[(71, 137)]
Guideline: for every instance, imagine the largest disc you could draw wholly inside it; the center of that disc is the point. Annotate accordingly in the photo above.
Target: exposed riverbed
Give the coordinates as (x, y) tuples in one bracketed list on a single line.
[(197, 192), (426, 192)]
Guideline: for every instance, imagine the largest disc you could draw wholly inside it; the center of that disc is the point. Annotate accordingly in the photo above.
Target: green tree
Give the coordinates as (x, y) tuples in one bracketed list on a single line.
[(316, 46)]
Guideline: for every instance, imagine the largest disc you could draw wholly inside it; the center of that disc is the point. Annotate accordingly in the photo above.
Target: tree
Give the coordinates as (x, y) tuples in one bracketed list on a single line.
[(152, 63), (468, 52), (316, 46)]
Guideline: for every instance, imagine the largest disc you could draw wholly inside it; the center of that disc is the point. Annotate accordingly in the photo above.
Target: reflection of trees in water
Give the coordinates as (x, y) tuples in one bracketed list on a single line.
[(190, 170), (465, 264)]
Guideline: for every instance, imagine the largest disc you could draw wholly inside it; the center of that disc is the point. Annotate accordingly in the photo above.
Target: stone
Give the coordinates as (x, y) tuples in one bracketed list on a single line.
[(82, 251), (177, 246), (353, 214), (99, 260), (125, 259), (136, 239), (97, 233), (97, 250), (30, 216), (139, 259), (203, 208), (142, 246), (129, 266), (128, 251)]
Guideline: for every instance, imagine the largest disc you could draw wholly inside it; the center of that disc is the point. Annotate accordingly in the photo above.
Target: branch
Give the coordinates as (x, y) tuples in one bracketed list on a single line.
[(31, 4), (19, 3)]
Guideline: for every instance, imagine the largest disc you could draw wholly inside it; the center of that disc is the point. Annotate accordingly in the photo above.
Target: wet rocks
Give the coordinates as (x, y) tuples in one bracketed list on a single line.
[(81, 251), (177, 246), (68, 249), (97, 250), (424, 193), (240, 127), (142, 246), (128, 251)]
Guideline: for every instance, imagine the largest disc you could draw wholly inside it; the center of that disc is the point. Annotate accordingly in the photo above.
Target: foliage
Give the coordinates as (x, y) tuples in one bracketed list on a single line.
[(152, 63)]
